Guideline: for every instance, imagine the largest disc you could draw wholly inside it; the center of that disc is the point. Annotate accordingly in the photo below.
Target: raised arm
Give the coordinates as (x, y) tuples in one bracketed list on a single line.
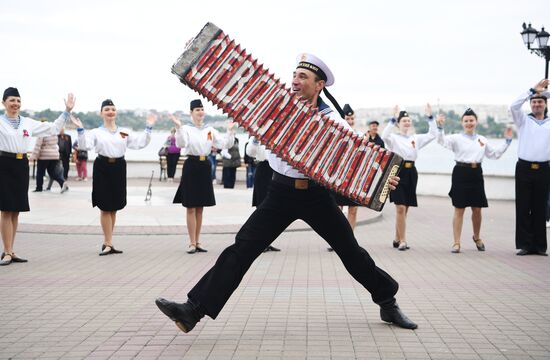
[(41, 129), (496, 152), (518, 115), (442, 139), (137, 142), (425, 139), (227, 140)]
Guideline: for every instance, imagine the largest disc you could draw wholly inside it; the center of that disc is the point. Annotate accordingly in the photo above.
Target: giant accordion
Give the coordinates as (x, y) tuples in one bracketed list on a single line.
[(337, 158)]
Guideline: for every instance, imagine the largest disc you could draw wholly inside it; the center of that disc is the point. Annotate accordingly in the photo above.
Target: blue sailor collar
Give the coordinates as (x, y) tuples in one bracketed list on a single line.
[(323, 107), (537, 121)]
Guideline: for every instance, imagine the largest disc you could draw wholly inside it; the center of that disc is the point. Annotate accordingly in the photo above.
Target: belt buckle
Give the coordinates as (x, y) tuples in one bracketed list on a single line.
[(474, 165), (19, 156), (301, 184), (111, 160), (535, 166), (202, 158), (408, 165)]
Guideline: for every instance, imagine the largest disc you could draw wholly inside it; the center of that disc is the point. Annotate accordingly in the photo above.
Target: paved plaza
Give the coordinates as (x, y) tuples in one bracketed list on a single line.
[(300, 303)]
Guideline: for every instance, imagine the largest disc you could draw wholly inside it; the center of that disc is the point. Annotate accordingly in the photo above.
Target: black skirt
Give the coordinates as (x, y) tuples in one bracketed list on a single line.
[(405, 193), (14, 184), (109, 184), (262, 179), (195, 189), (468, 189)]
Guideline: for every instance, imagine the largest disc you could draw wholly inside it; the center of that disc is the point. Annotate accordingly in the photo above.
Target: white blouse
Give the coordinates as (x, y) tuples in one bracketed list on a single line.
[(256, 150), (199, 141), (470, 148), (407, 146), (19, 140), (112, 144)]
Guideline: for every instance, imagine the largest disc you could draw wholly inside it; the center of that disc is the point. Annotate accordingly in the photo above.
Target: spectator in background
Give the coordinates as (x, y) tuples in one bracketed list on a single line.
[(65, 142), (46, 154), (80, 158), (172, 155), (373, 133), (231, 161)]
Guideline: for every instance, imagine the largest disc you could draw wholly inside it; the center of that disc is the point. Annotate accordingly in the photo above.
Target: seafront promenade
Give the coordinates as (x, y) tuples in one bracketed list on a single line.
[(300, 303)]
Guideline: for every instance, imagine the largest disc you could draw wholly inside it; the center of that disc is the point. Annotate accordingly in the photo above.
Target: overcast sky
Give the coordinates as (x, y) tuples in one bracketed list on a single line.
[(381, 52)]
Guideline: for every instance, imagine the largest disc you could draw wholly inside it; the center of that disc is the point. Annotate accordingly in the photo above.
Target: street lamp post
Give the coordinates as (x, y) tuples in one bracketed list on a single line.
[(529, 35)]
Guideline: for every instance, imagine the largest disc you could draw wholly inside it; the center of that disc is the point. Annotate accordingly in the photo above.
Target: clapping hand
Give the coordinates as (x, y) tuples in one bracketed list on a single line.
[(76, 121), (541, 86), (508, 132), (69, 102), (175, 120), (440, 120), (396, 112), (231, 126), (151, 119), (428, 110)]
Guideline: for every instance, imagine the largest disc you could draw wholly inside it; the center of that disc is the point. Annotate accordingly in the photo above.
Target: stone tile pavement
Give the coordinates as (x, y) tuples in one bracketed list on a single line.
[(300, 303)]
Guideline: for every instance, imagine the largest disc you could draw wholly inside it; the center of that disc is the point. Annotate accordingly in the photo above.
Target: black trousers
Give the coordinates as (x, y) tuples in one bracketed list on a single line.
[(531, 195), (65, 160), (229, 175), (171, 163), (280, 208), (50, 166)]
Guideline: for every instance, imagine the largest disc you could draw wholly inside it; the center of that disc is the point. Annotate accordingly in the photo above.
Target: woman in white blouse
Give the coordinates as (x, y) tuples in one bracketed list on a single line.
[(195, 190), (15, 137), (405, 144), (467, 189), (109, 171)]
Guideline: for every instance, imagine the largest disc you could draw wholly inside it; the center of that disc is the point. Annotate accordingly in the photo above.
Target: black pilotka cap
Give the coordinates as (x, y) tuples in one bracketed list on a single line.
[(402, 114), (470, 112), (107, 102), (11, 91), (374, 122), (348, 111), (196, 104)]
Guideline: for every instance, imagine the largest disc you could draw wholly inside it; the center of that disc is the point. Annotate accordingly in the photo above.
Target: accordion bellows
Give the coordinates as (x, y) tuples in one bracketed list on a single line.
[(340, 159)]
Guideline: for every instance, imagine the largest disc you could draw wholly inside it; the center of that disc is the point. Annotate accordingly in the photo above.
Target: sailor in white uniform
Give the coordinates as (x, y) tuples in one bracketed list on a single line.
[(467, 189), (406, 144)]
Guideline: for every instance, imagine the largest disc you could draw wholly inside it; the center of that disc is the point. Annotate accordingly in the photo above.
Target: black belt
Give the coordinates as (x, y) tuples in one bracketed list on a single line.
[(109, 159), (472, 165), (196, 157), (408, 164), (534, 165), (18, 156), (300, 184)]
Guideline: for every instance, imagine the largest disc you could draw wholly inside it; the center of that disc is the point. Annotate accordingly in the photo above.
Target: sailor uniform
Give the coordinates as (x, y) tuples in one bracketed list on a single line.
[(15, 140), (407, 147), (109, 169), (195, 188), (532, 176), (291, 196), (467, 189)]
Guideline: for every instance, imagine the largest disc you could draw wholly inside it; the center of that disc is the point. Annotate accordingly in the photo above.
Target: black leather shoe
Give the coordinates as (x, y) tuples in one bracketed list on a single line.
[(273, 248), (393, 314), (524, 252), (185, 315), (4, 261), (330, 249)]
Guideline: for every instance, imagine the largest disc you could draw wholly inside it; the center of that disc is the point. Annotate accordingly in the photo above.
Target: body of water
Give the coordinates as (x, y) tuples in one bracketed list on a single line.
[(432, 159)]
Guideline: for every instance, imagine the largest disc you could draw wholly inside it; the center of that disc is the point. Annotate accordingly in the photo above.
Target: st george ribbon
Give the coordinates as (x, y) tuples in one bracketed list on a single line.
[(337, 158)]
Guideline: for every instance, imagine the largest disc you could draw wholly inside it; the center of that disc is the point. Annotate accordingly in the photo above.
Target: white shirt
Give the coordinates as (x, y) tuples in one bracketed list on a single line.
[(199, 141), (407, 146), (282, 167), (470, 148), (112, 144), (533, 134), (19, 140), (256, 150)]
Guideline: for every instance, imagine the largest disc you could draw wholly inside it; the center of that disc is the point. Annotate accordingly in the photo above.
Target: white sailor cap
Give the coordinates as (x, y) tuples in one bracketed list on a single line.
[(316, 65)]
